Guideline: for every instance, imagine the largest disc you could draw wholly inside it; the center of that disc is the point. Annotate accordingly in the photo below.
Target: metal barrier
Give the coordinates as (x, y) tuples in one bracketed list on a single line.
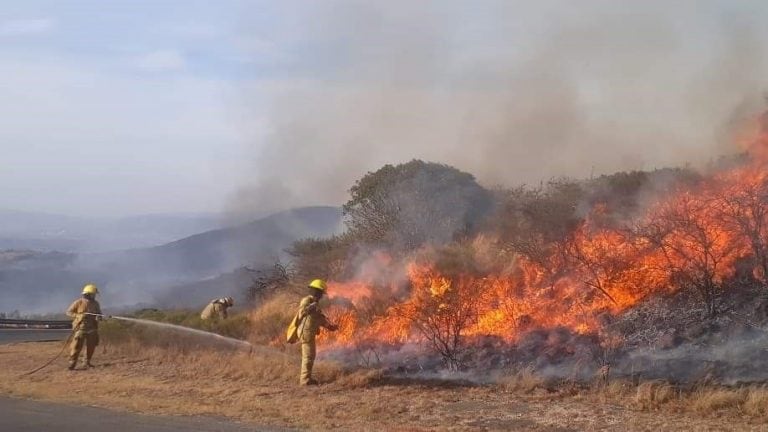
[(32, 324)]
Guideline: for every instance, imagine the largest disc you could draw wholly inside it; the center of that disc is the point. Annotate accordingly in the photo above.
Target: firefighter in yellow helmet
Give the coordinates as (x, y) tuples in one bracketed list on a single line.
[(85, 313), (310, 320), (217, 308)]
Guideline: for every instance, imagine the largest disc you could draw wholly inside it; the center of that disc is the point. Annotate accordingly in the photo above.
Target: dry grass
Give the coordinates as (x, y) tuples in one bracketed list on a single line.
[(237, 326), (260, 388), (264, 365), (269, 321), (525, 381), (750, 400), (614, 390), (360, 378), (653, 394), (756, 403), (709, 400)]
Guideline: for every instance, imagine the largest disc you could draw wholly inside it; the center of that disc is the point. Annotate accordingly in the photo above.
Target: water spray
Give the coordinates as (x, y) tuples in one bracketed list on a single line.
[(229, 340), (168, 326), (176, 327)]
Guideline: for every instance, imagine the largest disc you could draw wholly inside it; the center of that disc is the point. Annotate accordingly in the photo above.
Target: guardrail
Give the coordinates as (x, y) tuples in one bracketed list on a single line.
[(32, 324)]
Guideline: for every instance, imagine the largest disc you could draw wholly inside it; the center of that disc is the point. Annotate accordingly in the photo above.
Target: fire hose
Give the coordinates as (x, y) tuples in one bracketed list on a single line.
[(63, 347)]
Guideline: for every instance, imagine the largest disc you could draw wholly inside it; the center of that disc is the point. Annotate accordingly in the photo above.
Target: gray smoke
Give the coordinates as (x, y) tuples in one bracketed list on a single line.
[(510, 92)]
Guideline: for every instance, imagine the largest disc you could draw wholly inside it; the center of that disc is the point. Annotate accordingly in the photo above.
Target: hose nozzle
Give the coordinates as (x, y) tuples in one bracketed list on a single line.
[(97, 315)]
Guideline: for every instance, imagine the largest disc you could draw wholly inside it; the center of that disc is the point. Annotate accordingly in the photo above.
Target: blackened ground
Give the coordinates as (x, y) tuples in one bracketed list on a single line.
[(667, 337)]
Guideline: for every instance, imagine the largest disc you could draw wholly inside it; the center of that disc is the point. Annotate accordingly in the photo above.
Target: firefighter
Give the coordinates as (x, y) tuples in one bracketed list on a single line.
[(85, 327), (310, 320), (217, 308)]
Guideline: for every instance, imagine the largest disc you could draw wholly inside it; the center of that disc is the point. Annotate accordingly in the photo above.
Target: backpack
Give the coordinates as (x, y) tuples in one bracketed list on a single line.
[(292, 334)]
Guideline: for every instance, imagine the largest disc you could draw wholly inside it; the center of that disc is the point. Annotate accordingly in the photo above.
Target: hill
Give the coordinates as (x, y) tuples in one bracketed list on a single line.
[(34, 282), (48, 232), (213, 252)]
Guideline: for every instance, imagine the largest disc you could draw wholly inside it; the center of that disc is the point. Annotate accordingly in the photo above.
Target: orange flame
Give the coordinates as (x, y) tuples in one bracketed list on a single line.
[(606, 272)]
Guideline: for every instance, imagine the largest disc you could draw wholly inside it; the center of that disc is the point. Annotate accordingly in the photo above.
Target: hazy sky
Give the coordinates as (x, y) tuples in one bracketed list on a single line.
[(128, 107)]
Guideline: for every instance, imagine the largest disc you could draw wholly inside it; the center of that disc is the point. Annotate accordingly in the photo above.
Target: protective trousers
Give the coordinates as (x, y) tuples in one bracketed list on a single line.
[(90, 340), (307, 361)]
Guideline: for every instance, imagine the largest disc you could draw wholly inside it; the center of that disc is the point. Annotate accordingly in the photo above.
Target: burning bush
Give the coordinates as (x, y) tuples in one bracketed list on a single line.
[(445, 301), (426, 262), (695, 247)]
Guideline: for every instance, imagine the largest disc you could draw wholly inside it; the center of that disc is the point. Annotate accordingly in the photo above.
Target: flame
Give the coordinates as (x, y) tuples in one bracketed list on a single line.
[(606, 270)]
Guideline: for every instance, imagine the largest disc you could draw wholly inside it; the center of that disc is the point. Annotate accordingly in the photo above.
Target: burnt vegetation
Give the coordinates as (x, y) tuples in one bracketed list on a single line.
[(431, 255)]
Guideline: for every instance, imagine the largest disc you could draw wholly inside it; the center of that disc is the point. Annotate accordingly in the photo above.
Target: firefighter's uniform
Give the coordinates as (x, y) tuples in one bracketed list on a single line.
[(217, 309), (310, 321), (85, 328)]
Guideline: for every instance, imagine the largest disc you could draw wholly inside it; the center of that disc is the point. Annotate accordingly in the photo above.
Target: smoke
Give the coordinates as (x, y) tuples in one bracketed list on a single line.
[(510, 92), (730, 360)]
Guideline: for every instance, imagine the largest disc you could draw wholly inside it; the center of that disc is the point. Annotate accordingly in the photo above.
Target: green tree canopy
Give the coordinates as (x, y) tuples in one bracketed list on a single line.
[(408, 205)]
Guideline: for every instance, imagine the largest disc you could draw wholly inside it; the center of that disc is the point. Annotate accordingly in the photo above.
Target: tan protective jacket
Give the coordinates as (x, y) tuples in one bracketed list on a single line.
[(84, 323), (215, 309), (310, 319)]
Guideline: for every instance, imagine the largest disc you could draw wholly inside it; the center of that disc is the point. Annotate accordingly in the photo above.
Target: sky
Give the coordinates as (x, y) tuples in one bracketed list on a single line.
[(131, 107), (116, 108)]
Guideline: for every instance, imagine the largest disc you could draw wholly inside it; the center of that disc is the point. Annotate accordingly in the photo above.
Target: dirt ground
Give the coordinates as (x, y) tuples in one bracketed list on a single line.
[(260, 389)]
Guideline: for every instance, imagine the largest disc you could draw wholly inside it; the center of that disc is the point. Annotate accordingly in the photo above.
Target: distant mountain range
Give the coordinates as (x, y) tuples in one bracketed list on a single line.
[(46, 281), (212, 252), (47, 232)]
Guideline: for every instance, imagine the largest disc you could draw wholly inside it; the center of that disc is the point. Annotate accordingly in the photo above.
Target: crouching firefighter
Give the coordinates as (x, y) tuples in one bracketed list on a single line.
[(85, 313), (217, 308), (305, 327)]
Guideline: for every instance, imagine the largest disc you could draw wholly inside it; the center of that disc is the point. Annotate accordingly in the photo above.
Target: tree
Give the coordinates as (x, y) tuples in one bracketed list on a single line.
[(695, 247), (614, 264), (266, 282), (539, 223), (598, 258), (744, 209), (320, 258), (446, 298), (440, 309), (408, 205)]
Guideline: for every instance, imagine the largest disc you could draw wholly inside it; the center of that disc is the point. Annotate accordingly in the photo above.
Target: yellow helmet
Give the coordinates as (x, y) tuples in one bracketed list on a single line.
[(318, 284), (90, 289)]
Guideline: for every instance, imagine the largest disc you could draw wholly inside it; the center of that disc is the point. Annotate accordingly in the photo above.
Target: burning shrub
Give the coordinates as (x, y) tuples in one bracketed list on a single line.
[(441, 308), (550, 271), (537, 223), (695, 247), (744, 211)]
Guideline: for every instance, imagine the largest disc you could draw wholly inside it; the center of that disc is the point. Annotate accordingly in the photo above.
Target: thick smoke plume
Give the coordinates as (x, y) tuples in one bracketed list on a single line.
[(510, 92)]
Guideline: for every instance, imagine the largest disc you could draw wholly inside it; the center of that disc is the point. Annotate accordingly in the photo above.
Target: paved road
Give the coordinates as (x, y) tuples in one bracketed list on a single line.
[(32, 335), (20, 415)]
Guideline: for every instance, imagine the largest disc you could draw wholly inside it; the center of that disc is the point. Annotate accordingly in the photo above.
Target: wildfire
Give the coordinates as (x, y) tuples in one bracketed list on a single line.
[(694, 237)]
